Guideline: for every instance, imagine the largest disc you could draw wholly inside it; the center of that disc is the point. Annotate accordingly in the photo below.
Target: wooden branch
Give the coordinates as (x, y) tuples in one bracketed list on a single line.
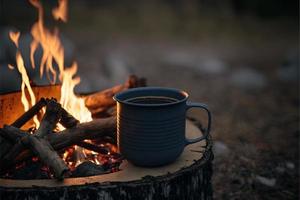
[(105, 97), (90, 130), (67, 120), (7, 139), (48, 156), (39, 146), (12, 135), (8, 160), (5, 145), (30, 113), (103, 112), (187, 178), (50, 119), (92, 147)]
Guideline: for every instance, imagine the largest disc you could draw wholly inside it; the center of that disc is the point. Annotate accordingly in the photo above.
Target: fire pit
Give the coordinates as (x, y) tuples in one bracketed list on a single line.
[(99, 149), (59, 145), (190, 174)]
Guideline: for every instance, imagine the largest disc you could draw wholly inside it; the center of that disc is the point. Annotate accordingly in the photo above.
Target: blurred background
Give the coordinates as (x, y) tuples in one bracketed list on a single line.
[(241, 57)]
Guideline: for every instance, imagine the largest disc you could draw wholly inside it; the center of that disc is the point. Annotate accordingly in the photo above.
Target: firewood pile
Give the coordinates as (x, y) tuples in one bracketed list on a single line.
[(47, 146)]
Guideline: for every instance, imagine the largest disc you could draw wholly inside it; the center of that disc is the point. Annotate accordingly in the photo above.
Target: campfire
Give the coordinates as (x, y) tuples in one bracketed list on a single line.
[(60, 134)]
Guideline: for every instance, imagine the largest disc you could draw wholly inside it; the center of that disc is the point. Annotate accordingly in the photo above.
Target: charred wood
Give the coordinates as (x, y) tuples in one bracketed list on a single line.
[(34, 110), (95, 129)]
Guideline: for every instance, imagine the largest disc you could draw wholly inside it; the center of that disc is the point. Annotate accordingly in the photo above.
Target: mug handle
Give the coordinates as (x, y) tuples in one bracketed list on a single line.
[(207, 130)]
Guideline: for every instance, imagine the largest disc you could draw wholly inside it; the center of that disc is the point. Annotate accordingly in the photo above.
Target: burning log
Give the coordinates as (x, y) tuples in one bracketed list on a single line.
[(90, 130), (23, 119), (37, 144), (105, 98), (5, 146), (93, 147), (67, 120), (7, 161), (103, 112), (30, 113), (50, 119), (101, 103), (7, 139), (11, 136), (47, 155), (187, 178), (41, 147), (21, 146)]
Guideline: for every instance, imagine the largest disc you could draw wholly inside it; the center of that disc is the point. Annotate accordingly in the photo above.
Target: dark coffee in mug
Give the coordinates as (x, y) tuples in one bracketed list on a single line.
[(151, 100), (151, 124)]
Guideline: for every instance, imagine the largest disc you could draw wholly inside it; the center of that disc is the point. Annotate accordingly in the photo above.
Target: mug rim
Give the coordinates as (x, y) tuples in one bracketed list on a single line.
[(118, 95)]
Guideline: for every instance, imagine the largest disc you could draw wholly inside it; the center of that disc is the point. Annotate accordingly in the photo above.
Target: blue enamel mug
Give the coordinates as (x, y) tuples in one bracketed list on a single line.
[(151, 124)]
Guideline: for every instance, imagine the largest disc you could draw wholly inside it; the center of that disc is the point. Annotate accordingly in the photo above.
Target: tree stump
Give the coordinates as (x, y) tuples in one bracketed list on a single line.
[(189, 177)]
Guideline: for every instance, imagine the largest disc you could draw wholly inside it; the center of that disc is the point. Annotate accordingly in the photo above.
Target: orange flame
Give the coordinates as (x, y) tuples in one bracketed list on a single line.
[(52, 63), (53, 52), (53, 55), (61, 11), (14, 36)]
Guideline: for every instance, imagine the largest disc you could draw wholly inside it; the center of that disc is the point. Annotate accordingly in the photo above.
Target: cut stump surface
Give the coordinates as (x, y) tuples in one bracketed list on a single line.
[(189, 177)]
